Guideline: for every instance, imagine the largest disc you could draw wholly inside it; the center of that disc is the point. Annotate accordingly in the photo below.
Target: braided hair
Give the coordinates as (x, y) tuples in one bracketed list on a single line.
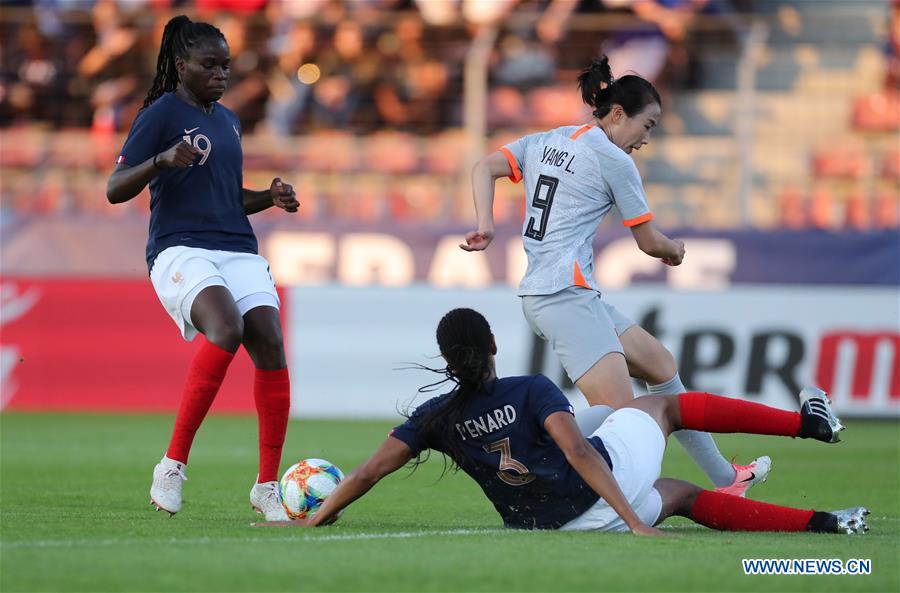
[(466, 342), (180, 35), (601, 91)]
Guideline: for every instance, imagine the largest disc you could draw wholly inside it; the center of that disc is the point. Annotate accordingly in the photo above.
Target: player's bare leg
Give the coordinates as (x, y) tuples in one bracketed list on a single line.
[(607, 382)]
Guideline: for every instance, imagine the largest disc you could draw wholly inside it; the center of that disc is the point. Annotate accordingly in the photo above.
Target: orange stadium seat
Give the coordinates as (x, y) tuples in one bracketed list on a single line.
[(857, 210), (887, 209), (877, 112), (391, 152), (841, 161), (792, 208), (890, 165), (443, 153), (331, 151), (556, 106), (822, 211)]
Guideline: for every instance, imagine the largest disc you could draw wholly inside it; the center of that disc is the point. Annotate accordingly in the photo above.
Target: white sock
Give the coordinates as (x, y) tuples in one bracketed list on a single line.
[(589, 420), (699, 445)]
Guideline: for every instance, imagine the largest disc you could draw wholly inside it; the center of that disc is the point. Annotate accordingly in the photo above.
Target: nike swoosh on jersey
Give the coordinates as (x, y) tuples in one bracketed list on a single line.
[(191, 130)]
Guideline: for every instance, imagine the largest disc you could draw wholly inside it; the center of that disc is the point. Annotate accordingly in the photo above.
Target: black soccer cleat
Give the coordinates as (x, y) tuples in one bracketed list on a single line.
[(817, 421)]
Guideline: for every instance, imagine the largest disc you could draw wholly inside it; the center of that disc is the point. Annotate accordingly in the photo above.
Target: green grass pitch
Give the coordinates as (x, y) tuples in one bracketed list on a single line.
[(75, 517)]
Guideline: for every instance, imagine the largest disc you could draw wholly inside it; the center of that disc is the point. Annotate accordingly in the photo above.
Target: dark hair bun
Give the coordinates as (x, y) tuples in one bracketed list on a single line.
[(601, 91)]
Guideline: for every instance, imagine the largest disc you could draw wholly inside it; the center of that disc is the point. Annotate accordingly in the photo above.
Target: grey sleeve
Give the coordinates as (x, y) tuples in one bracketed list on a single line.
[(627, 190), (515, 154)]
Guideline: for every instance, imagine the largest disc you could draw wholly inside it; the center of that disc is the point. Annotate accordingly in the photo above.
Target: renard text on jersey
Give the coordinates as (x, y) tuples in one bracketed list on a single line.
[(487, 423)]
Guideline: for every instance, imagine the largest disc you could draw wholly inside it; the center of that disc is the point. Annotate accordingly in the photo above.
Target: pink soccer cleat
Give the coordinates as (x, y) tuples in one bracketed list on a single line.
[(748, 476)]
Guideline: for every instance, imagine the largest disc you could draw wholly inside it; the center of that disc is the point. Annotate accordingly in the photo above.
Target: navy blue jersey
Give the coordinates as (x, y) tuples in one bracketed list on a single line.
[(201, 205), (510, 454)]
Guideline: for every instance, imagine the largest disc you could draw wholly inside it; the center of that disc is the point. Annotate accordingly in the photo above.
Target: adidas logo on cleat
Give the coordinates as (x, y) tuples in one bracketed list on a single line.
[(817, 419)]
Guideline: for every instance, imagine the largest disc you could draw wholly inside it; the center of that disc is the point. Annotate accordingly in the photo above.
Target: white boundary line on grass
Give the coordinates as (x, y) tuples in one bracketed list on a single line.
[(336, 537), (71, 543)]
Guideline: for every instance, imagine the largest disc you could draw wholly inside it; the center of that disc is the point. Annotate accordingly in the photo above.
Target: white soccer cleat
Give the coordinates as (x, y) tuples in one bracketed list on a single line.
[(747, 476), (265, 498), (815, 406), (851, 521), (165, 492)]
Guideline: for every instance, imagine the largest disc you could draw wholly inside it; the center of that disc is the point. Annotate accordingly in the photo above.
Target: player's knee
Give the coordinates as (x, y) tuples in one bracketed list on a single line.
[(267, 349), (227, 333), (667, 367), (661, 365), (673, 411), (689, 495)]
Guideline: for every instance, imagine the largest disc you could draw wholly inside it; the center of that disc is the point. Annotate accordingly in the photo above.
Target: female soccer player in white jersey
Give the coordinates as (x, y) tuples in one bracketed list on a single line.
[(574, 175), (202, 253), (517, 437)]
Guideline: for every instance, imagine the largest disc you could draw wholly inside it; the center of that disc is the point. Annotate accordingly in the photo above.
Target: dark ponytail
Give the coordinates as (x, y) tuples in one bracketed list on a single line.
[(466, 342), (179, 36), (601, 91)]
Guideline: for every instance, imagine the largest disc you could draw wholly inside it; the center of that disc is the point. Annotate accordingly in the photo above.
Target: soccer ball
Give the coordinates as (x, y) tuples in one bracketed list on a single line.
[(306, 485)]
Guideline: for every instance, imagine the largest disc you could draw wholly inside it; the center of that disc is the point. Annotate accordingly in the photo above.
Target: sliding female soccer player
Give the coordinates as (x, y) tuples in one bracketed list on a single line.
[(202, 253), (517, 437), (574, 175)]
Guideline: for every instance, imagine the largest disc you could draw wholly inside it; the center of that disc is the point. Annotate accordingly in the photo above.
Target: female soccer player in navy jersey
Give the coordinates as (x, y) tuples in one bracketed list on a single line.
[(202, 253), (574, 175), (517, 437)]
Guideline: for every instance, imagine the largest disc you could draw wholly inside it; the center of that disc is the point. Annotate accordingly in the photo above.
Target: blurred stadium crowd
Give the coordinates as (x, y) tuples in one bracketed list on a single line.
[(361, 101)]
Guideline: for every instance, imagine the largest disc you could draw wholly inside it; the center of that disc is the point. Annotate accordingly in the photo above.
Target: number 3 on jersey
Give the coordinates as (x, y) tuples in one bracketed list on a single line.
[(543, 200), (204, 149), (508, 464)]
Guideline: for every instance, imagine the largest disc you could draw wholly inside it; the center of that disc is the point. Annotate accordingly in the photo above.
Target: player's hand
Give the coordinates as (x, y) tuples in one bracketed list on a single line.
[(647, 531), (678, 256), (477, 240), (179, 156), (283, 195)]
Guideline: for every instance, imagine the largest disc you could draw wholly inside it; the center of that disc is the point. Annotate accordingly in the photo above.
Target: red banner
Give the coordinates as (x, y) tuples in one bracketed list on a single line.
[(99, 345)]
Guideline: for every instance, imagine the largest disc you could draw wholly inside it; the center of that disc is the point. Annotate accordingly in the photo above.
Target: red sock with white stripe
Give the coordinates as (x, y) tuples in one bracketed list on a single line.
[(733, 513), (205, 376), (715, 413), (272, 394)]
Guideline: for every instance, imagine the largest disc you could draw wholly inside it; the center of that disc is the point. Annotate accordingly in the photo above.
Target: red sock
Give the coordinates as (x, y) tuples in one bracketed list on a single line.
[(203, 381), (272, 393), (733, 513), (715, 413)]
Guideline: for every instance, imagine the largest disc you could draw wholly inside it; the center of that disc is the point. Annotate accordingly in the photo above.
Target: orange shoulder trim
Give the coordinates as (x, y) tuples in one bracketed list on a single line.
[(516, 175), (580, 131), (640, 219)]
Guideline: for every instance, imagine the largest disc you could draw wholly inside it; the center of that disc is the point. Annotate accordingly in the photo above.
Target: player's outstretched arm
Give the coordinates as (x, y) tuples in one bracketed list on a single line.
[(390, 456), (654, 243), (484, 174), (280, 194), (593, 469)]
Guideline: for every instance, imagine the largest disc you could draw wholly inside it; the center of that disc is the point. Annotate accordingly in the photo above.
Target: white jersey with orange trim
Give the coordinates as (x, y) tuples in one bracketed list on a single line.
[(573, 176)]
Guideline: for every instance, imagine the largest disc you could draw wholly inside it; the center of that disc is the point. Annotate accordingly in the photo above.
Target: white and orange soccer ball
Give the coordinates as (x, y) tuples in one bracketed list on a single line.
[(306, 485)]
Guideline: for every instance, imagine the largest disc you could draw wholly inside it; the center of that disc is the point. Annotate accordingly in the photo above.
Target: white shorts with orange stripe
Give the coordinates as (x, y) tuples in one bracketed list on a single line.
[(580, 327)]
